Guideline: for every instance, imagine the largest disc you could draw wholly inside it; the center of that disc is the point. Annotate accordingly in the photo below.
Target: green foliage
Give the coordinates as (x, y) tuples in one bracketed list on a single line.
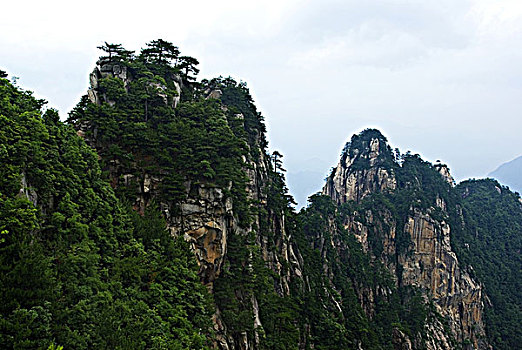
[(160, 52), (234, 290), (137, 129), (340, 274), (237, 98), (55, 347), (163, 58), (116, 53), (187, 66), (490, 242), (77, 267)]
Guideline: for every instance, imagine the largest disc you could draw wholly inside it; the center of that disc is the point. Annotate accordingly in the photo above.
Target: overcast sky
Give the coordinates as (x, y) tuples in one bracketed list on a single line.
[(442, 78)]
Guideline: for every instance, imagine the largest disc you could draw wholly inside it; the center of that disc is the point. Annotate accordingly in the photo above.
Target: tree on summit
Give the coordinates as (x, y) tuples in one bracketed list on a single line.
[(188, 65), (160, 51), (115, 52)]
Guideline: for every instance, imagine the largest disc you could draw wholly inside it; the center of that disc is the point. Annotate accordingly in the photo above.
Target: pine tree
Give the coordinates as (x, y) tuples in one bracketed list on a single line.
[(187, 65), (160, 52), (115, 52)]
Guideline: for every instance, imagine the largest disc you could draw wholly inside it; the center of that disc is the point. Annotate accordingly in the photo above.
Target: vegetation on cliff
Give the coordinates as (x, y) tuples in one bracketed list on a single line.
[(484, 217), (78, 267), (86, 260), (351, 300), (490, 242), (211, 136)]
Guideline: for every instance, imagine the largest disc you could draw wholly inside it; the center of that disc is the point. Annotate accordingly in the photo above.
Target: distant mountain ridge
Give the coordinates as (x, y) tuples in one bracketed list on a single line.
[(510, 174)]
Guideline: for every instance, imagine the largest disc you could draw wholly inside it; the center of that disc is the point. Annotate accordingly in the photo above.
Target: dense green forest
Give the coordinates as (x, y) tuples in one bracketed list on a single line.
[(491, 243), (87, 259), (140, 290), (79, 268)]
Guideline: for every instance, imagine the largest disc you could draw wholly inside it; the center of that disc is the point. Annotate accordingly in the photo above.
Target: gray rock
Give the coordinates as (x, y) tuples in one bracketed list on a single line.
[(190, 209)]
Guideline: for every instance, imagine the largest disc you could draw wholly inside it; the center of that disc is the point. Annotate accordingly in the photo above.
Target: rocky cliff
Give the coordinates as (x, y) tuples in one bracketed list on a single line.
[(206, 213), (364, 168), (422, 257)]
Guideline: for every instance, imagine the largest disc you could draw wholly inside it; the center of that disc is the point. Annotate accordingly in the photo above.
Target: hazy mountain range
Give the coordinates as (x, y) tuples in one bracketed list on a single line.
[(510, 174)]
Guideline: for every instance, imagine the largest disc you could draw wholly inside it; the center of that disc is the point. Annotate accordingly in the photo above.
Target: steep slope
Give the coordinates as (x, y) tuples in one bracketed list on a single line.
[(349, 299), (491, 242), (198, 150), (79, 268), (408, 209), (510, 174)]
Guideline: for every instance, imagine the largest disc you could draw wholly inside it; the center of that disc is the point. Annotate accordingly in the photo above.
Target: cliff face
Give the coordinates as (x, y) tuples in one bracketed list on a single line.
[(422, 256), (106, 68), (433, 266), (208, 221), (206, 215)]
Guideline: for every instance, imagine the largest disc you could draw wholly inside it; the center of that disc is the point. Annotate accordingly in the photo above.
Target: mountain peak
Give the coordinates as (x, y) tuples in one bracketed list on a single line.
[(370, 133), (368, 140), (366, 166)]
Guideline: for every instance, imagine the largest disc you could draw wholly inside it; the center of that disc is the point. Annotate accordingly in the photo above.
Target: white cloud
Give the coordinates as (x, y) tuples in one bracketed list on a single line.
[(372, 44), (502, 17)]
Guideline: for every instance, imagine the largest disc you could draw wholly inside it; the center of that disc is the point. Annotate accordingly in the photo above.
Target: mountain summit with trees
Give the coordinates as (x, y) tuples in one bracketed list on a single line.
[(156, 217)]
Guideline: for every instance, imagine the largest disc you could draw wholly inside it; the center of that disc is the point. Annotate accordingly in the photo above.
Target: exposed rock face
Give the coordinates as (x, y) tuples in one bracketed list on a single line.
[(215, 94), (432, 265), (400, 340), (105, 69), (428, 263), (206, 222), (27, 191)]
